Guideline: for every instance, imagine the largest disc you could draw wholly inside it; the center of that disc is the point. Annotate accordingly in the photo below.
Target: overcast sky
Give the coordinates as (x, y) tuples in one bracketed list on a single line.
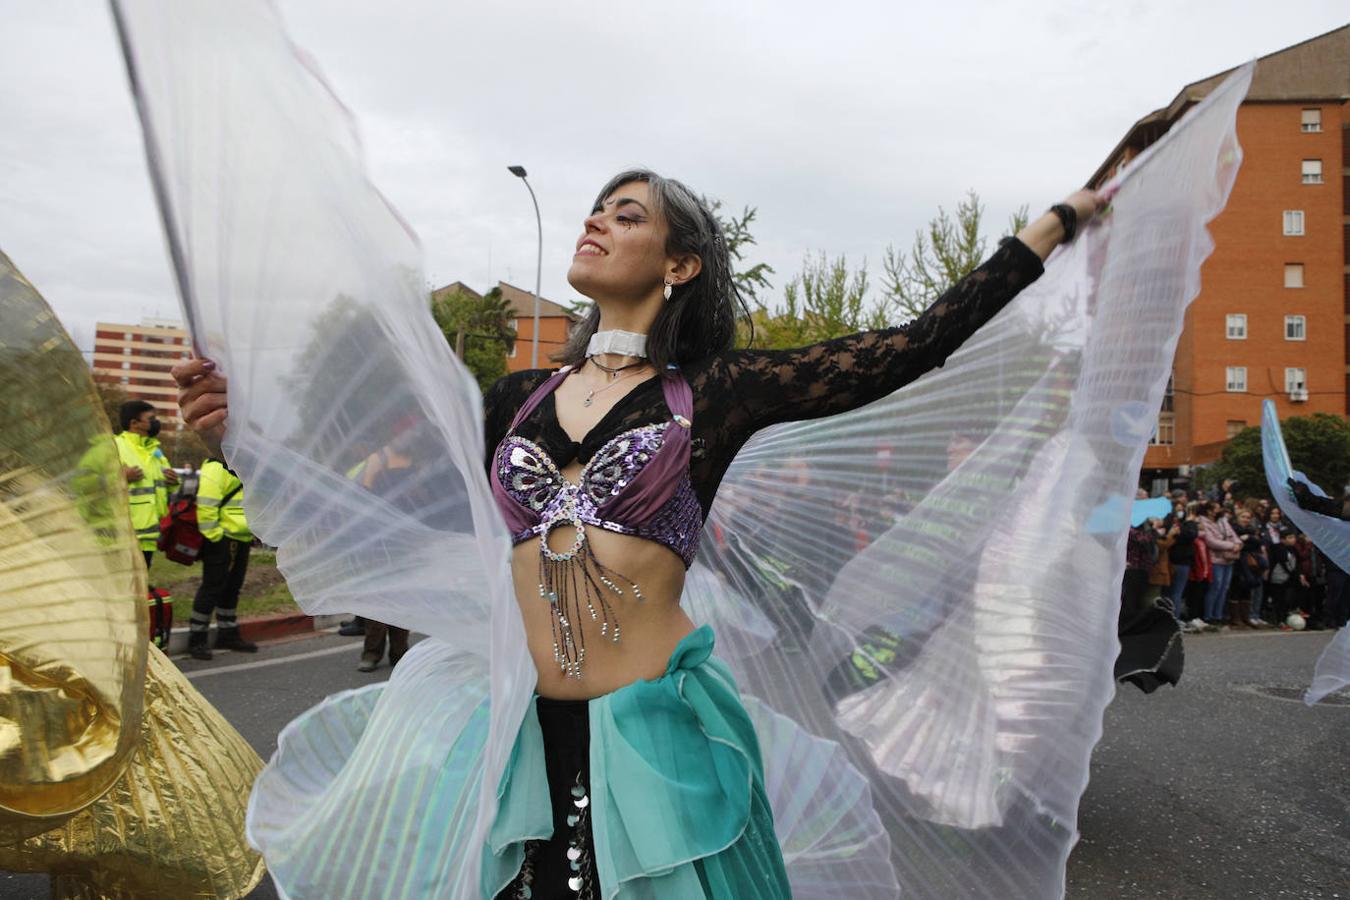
[(846, 124)]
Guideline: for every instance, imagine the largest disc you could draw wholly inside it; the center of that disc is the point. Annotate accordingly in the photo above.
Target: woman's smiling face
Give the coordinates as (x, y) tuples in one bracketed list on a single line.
[(621, 254)]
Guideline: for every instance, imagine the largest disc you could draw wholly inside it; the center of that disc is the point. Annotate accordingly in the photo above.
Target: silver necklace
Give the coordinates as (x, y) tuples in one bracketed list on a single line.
[(590, 395)]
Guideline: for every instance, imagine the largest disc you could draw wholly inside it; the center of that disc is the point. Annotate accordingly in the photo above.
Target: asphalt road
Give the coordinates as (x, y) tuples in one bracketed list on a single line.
[(1222, 788)]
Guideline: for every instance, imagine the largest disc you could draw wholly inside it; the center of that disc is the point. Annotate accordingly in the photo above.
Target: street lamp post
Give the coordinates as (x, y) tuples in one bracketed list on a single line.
[(519, 172)]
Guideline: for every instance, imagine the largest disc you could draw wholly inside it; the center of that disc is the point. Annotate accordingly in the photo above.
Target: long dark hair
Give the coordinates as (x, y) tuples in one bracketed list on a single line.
[(699, 319)]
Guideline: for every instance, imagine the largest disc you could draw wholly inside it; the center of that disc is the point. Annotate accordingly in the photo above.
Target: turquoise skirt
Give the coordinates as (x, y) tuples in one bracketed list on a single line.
[(676, 796), (374, 792)]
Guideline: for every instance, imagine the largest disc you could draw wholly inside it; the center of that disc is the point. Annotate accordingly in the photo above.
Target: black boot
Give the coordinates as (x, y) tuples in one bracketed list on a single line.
[(227, 638), (197, 648)]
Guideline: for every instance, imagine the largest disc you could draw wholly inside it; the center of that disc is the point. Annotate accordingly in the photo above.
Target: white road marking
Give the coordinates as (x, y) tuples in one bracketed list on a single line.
[(278, 661)]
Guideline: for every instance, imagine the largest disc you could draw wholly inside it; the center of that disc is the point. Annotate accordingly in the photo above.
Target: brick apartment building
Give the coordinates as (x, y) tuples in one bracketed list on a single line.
[(138, 358), (554, 322), (1273, 316)]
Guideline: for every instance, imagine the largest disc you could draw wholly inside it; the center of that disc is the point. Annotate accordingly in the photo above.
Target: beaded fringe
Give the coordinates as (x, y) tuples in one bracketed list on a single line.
[(568, 579)]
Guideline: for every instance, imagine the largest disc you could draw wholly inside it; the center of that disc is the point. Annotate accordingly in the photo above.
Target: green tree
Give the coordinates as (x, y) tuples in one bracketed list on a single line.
[(1319, 446), (112, 396), (749, 278), (479, 330), (825, 300), (949, 249), (322, 383)]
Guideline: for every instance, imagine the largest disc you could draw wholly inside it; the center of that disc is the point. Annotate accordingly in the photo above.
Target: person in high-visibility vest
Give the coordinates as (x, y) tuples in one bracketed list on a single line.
[(169, 478), (224, 556), (147, 472), (94, 481)]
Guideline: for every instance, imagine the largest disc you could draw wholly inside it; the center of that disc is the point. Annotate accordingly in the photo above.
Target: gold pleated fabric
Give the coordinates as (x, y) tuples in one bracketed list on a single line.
[(116, 776), (172, 826)]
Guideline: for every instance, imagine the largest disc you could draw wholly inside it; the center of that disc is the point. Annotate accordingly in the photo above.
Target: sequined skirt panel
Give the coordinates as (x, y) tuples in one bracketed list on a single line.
[(562, 866)]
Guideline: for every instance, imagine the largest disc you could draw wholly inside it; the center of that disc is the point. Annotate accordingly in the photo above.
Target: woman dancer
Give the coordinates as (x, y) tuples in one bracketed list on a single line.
[(603, 471)]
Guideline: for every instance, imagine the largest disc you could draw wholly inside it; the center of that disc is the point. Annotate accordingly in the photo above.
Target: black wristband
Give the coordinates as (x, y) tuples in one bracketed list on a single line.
[(1068, 217)]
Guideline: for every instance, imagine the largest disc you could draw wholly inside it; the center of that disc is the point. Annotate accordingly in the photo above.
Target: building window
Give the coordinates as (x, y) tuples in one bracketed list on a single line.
[(1312, 171), (511, 354), (1166, 433), (1293, 222), (1237, 327), (1237, 379), (1312, 120), (1235, 427), (1167, 403), (126, 365), (1295, 328), (126, 379), (1295, 380), (126, 336), (1293, 275)]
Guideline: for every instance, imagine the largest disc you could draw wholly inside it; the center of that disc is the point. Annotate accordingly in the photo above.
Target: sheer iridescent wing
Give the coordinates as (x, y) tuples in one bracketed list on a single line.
[(1332, 537), (356, 431), (915, 583), (116, 776)]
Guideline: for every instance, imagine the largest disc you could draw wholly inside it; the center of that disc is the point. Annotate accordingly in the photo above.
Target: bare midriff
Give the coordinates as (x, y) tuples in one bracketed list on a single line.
[(650, 628)]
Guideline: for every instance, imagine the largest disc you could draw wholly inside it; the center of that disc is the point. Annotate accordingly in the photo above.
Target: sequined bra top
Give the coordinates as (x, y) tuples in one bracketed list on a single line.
[(637, 483)]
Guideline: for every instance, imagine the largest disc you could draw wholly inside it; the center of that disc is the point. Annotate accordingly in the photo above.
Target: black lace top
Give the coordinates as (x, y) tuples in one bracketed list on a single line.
[(738, 392)]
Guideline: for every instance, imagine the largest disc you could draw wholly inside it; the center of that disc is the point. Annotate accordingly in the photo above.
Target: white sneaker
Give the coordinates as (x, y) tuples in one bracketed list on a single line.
[(1197, 622)]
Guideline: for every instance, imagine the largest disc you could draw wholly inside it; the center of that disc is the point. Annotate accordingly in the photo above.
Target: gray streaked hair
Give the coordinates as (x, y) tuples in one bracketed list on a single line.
[(699, 319)]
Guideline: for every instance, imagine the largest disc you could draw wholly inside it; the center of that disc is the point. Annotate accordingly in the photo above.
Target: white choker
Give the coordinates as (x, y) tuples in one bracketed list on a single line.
[(622, 343)]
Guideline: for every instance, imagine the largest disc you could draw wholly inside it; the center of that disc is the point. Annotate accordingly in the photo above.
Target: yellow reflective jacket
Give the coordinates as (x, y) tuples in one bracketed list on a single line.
[(216, 520), (162, 488), (98, 479), (139, 451)]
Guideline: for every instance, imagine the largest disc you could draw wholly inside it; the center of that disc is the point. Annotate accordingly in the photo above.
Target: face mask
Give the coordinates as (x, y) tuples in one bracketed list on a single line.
[(154, 428)]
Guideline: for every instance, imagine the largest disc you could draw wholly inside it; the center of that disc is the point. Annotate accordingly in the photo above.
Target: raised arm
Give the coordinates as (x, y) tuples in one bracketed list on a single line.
[(1326, 506), (844, 373)]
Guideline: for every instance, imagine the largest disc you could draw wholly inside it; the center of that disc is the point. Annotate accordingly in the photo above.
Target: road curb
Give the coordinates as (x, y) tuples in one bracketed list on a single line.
[(260, 628)]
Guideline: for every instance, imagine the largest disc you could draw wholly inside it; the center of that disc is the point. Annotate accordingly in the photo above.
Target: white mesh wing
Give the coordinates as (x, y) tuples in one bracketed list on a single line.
[(357, 432), (916, 579), (1331, 536)]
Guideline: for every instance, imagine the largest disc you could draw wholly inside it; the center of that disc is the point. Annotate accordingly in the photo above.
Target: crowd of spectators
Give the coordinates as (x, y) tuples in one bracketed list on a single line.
[(1220, 562)]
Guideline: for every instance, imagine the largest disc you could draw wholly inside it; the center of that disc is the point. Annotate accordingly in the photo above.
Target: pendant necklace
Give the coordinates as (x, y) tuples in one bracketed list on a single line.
[(615, 379)]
